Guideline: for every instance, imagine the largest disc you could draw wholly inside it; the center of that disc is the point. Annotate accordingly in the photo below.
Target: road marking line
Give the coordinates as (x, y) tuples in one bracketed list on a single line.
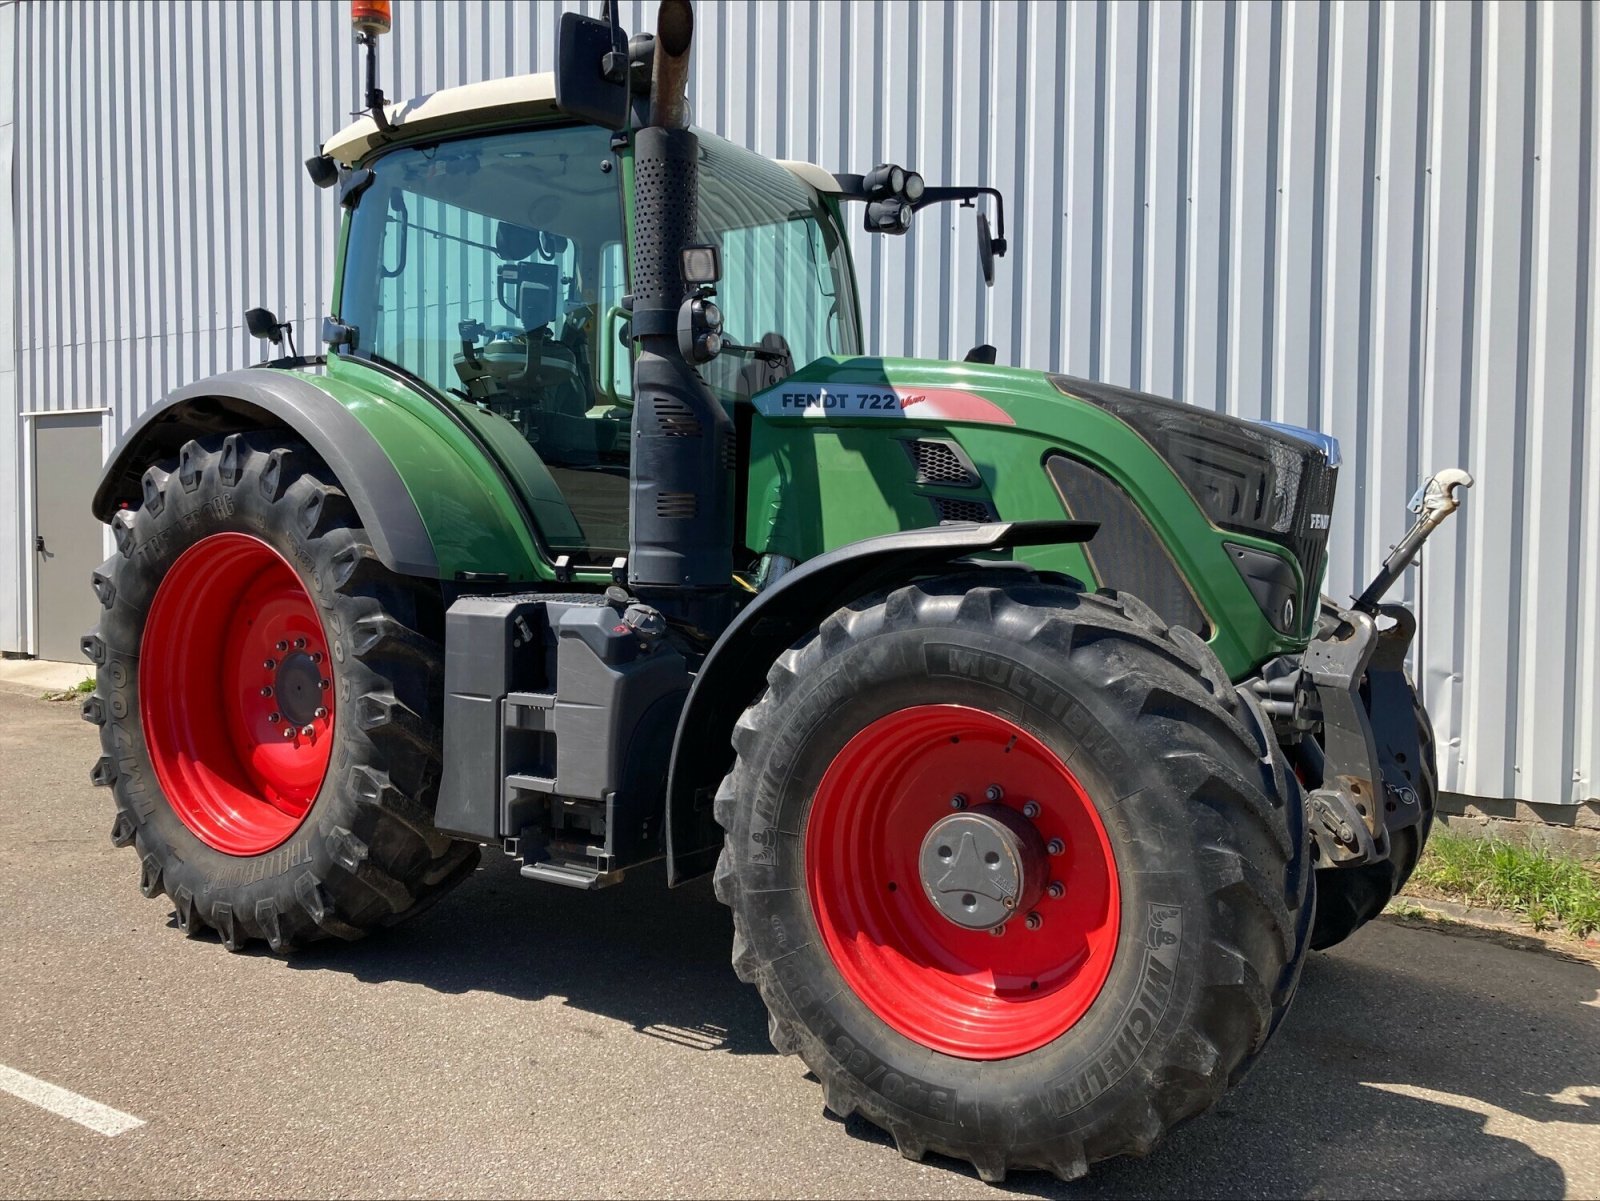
[(102, 1119)]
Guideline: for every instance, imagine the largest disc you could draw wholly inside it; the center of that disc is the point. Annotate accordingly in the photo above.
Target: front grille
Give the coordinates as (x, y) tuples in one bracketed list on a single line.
[(1125, 553), (1245, 476)]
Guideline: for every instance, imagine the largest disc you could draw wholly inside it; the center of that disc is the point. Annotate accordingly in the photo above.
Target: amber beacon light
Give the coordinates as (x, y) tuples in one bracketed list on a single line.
[(370, 16)]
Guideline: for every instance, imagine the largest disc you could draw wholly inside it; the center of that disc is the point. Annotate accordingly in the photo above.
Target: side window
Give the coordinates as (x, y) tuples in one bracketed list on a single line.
[(784, 265)]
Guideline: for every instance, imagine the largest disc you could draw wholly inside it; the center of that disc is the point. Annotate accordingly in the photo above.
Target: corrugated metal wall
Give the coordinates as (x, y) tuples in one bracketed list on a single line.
[(1377, 219)]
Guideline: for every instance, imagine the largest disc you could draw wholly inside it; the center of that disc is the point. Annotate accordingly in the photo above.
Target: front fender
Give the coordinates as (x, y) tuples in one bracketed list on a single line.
[(736, 668)]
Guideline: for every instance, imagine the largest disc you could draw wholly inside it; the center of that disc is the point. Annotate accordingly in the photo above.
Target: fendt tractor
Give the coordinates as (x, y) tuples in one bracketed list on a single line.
[(1004, 707)]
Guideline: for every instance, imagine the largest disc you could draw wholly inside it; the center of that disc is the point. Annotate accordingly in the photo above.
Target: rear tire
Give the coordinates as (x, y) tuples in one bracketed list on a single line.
[(1202, 821), (254, 824)]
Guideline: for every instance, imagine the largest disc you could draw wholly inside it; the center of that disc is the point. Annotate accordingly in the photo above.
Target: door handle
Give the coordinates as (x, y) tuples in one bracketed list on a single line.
[(38, 543)]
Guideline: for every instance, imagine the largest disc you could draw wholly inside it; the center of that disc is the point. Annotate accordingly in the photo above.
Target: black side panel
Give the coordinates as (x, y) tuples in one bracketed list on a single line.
[(253, 399), (736, 669), (1128, 555)]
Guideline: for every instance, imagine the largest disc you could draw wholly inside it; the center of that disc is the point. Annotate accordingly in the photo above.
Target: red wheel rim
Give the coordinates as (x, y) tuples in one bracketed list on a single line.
[(964, 992), (235, 694)]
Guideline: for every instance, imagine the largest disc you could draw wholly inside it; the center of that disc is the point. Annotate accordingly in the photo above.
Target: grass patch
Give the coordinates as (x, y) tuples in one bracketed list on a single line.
[(1548, 890), (81, 689)]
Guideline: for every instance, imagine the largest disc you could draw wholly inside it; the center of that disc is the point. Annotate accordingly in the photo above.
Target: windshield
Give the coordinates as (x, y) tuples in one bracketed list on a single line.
[(483, 267)]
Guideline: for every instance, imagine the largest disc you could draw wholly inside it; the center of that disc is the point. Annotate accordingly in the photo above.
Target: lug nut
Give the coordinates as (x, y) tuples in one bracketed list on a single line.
[(266, 690), (1056, 846), (299, 644), (1030, 810), (274, 718), (1057, 890), (269, 664), (316, 656), (1033, 921), (308, 731), (993, 793), (999, 930), (288, 731), (1009, 902), (324, 684), (321, 711), (958, 801), (281, 647)]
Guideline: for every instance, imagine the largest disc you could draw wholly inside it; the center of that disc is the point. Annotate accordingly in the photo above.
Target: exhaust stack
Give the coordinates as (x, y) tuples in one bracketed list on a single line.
[(684, 450)]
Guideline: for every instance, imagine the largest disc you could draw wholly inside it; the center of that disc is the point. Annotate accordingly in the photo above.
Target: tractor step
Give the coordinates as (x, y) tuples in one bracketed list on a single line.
[(571, 875)]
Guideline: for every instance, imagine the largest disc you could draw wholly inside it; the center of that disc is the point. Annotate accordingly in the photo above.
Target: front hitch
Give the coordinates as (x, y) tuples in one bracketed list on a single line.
[(1356, 806)]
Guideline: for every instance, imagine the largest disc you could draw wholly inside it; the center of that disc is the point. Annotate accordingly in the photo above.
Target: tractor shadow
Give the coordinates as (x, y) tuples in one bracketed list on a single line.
[(1338, 1106), (636, 952)]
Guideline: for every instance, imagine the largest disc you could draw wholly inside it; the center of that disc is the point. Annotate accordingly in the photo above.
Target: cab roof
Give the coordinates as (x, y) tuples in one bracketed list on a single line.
[(517, 97)]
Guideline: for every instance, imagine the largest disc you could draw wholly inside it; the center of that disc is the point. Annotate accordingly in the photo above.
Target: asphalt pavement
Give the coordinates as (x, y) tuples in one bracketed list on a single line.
[(521, 1039)]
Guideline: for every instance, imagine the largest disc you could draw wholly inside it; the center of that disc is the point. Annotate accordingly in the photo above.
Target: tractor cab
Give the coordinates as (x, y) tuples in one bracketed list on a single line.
[(491, 267)]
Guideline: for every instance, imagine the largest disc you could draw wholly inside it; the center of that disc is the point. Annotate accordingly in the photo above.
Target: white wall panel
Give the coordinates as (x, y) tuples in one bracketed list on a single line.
[(1375, 218)]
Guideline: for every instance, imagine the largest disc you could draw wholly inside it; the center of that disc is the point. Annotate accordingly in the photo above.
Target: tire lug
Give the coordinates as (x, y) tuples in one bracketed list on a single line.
[(1057, 890), (1030, 810), (1033, 921), (958, 801), (993, 793), (1056, 846)]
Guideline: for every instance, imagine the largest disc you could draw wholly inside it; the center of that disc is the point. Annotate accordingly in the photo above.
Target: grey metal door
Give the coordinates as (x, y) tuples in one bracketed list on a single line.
[(67, 539)]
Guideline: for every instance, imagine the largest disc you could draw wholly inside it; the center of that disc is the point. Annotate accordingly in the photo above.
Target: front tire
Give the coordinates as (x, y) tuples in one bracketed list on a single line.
[(1146, 986), (268, 697)]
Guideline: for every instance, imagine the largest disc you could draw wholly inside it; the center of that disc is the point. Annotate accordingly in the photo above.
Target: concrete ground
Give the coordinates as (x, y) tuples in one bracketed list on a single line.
[(521, 1039), (42, 675)]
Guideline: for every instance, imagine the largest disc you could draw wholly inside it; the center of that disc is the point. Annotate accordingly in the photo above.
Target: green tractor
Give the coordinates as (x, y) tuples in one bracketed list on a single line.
[(1002, 705)]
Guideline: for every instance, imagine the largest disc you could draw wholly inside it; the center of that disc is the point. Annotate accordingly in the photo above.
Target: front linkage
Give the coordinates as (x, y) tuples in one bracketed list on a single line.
[(1350, 683)]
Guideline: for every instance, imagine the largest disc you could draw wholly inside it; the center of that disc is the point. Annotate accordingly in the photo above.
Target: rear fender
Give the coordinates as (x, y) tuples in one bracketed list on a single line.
[(735, 671), (456, 527)]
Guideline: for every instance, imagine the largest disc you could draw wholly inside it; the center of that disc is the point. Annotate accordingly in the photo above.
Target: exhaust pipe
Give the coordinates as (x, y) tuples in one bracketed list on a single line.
[(669, 77), (684, 451)]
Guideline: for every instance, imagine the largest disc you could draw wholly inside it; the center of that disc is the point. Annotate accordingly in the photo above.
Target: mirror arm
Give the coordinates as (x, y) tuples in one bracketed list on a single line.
[(966, 196)]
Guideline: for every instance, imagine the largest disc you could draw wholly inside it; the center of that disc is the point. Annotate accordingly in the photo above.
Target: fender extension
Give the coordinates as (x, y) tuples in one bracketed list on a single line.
[(736, 668), (252, 399)]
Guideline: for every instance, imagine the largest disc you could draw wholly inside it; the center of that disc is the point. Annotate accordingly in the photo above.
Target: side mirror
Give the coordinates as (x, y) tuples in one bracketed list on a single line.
[(264, 324), (592, 71), (986, 250)]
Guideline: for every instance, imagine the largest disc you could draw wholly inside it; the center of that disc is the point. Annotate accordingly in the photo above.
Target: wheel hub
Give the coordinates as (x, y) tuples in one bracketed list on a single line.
[(980, 867), (298, 688)]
